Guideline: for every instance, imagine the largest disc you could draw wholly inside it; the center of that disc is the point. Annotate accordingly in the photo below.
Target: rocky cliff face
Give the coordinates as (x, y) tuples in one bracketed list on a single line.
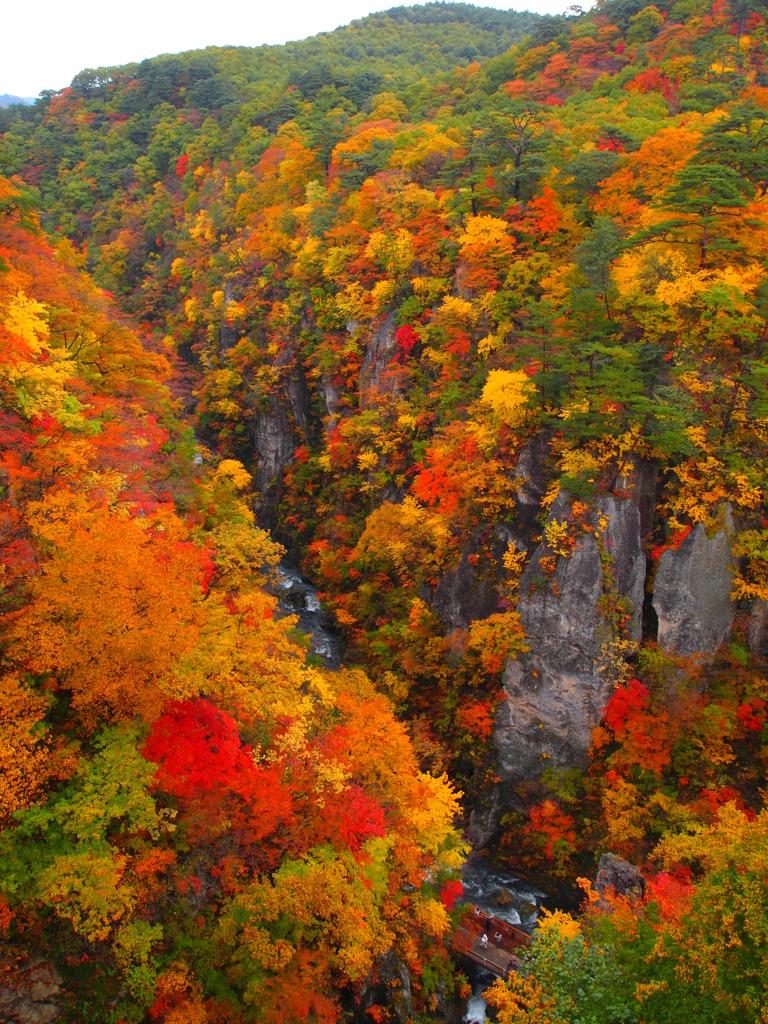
[(530, 475), (554, 695), (280, 429), (463, 595), (28, 993), (228, 336), (692, 593), (757, 628), (379, 348), (392, 989)]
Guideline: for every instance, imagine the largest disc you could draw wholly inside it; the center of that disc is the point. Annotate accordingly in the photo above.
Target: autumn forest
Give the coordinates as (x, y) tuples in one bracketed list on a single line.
[(463, 315)]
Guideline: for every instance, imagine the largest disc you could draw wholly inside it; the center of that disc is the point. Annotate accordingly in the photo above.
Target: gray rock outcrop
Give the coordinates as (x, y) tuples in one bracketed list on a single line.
[(757, 627), (392, 989), (529, 473), (484, 818), (622, 540), (555, 694), (466, 593), (379, 348), (692, 593), (228, 335), (640, 483), (281, 427), (27, 994), (619, 876), (331, 389), (275, 445)]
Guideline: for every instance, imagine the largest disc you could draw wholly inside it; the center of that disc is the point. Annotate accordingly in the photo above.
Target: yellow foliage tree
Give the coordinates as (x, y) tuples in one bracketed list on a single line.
[(509, 394), (23, 753)]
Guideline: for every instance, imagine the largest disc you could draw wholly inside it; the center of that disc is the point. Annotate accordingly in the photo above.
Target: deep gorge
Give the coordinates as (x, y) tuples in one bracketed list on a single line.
[(441, 335)]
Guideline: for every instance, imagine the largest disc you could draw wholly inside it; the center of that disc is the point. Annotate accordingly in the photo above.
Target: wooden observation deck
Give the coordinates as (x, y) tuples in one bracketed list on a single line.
[(499, 957)]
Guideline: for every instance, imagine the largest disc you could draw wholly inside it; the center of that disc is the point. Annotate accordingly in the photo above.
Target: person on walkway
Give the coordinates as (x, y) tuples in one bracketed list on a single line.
[(497, 938), (484, 941)]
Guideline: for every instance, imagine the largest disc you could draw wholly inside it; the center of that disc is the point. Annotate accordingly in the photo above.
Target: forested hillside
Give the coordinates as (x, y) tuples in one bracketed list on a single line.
[(469, 311)]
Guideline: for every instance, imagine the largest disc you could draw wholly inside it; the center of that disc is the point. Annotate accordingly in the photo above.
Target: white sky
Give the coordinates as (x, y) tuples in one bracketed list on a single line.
[(44, 44)]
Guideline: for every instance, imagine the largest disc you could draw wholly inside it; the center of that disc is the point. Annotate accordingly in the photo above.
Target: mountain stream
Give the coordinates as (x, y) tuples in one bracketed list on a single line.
[(508, 899), (297, 597)]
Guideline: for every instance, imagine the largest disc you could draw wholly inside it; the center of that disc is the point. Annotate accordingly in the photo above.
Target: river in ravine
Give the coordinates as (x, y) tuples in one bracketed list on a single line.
[(507, 898), (485, 886), (297, 597)]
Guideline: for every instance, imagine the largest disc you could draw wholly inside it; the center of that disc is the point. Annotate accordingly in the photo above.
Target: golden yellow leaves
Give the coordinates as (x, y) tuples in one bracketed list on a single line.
[(559, 537), (24, 318), (393, 252), (558, 925), (510, 394), (35, 371), (703, 487), (430, 915), (23, 753), (485, 231), (487, 345), (425, 146), (367, 460), (433, 812), (430, 289), (407, 535), (513, 561), (457, 312), (383, 294), (643, 270), (497, 638), (624, 815), (353, 303), (321, 903), (521, 1001), (737, 283), (387, 105), (244, 556), (336, 259), (750, 549), (231, 469)]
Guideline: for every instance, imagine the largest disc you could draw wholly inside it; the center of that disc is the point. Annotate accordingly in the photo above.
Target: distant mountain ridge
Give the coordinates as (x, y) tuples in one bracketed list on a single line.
[(400, 44), (8, 100)]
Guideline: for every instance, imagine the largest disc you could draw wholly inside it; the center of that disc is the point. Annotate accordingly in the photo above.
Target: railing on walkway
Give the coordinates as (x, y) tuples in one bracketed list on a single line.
[(504, 943)]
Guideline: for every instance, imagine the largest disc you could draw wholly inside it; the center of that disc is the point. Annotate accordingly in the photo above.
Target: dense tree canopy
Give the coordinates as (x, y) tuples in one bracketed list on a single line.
[(341, 291)]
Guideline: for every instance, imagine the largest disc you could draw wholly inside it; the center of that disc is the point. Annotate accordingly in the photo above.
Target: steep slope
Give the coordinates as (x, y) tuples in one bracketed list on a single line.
[(181, 792), (419, 330)]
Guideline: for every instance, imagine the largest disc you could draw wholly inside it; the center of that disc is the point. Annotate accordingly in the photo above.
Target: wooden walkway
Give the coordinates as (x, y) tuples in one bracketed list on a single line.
[(499, 957)]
